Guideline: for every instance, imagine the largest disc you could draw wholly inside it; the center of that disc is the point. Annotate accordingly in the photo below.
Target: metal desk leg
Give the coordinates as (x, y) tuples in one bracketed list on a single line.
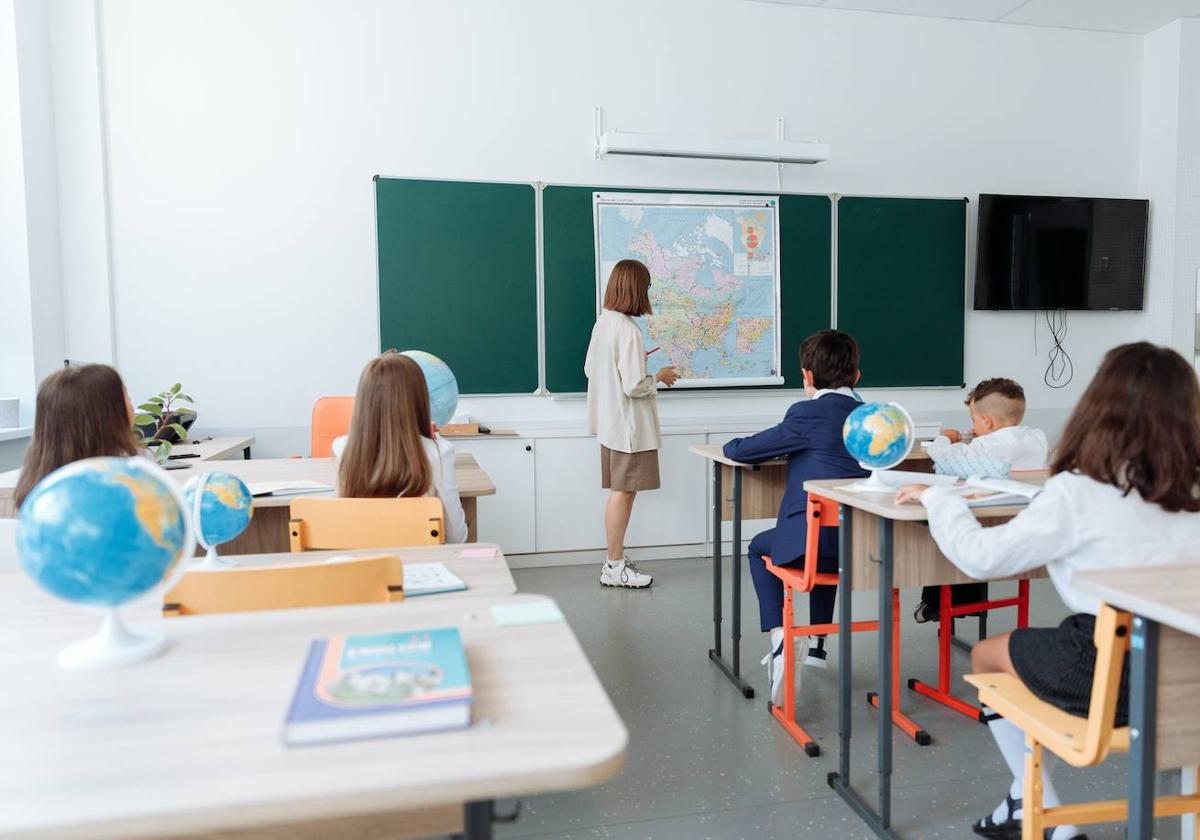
[(477, 820), (886, 696), (246, 453), (733, 672), (1143, 718), (716, 558), (840, 781)]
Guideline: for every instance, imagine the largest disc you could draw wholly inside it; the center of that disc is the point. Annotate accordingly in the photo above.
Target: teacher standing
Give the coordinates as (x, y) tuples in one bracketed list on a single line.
[(623, 412)]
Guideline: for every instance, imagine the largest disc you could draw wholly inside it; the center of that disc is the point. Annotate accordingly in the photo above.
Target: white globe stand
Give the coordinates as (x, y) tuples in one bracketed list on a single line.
[(114, 644), (876, 484), (211, 559)]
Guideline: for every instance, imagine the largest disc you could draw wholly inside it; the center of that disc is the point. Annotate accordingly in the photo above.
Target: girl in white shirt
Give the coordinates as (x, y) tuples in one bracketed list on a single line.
[(1123, 492), (392, 449), (622, 412)]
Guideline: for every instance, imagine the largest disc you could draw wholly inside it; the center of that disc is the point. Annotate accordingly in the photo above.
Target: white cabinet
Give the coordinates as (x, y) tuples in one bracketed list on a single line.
[(570, 501), (508, 517)]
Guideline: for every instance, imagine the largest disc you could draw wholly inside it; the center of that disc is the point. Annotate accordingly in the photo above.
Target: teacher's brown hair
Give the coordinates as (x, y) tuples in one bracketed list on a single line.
[(628, 289)]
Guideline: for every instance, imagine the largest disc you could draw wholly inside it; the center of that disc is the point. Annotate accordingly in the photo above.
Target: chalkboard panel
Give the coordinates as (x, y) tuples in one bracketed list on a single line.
[(458, 278), (569, 260), (900, 287)]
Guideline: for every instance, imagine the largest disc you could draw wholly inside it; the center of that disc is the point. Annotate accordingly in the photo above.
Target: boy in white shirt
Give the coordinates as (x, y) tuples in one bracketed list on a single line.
[(997, 408)]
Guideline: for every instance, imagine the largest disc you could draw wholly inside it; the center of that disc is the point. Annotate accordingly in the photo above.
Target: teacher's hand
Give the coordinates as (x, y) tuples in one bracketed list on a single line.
[(667, 376)]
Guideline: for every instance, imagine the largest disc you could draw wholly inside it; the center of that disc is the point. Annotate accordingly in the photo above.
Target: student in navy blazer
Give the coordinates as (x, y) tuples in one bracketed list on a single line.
[(810, 437)]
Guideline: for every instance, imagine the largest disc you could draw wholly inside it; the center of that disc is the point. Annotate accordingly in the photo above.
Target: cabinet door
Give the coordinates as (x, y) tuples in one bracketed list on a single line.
[(570, 501), (506, 518)]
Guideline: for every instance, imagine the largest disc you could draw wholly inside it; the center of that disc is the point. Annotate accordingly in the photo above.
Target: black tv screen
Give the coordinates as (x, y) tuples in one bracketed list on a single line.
[(1046, 252)]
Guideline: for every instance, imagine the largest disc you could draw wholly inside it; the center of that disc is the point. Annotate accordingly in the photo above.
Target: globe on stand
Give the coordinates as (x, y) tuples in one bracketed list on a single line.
[(879, 436), (443, 386), (101, 532), (221, 507)]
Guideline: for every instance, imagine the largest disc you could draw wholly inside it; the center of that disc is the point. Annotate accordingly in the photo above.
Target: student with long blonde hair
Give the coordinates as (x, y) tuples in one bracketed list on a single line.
[(392, 450), (82, 412)]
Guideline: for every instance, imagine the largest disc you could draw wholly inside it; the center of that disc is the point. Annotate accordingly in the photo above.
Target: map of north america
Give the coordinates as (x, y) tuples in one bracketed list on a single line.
[(712, 287)]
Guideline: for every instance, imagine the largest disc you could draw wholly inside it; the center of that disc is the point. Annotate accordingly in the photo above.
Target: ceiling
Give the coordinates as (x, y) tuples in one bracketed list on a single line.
[(1133, 16)]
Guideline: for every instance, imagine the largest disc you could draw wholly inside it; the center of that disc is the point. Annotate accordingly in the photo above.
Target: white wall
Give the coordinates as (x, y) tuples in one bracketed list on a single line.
[(243, 138)]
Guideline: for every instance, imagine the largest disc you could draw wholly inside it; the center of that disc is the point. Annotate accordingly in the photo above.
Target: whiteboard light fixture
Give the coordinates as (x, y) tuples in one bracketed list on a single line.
[(667, 145)]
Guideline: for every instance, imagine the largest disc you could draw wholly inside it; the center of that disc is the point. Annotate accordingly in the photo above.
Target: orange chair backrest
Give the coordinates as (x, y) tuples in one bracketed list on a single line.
[(821, 513), (330, 420), (365, 523), (359, 580)]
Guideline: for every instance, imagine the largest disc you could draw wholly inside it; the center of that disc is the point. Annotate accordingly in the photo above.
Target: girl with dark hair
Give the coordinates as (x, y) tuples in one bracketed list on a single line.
[(1123, 492), (82, 412)]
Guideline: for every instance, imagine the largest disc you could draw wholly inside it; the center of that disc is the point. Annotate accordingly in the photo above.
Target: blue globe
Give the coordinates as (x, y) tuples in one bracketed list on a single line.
[(225, 507), (443, 387), (878, 435), (101, 531)]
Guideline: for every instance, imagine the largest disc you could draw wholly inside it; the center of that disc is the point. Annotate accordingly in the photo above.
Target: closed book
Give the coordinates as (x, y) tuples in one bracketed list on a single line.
[(379, 685)]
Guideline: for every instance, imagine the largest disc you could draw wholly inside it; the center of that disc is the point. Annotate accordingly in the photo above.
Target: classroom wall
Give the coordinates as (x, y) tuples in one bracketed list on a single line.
[(242, 142)]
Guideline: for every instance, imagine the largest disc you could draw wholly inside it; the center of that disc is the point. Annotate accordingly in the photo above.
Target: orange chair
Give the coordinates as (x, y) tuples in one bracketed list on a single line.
[(330, 419), (947, 613), (823, 513)]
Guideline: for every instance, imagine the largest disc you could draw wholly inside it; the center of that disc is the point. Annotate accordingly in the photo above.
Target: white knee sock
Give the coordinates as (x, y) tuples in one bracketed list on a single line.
[(1011, 742)]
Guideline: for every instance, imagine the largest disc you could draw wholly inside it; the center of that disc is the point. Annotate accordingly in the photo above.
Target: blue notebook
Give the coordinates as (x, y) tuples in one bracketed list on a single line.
[(380, 685)]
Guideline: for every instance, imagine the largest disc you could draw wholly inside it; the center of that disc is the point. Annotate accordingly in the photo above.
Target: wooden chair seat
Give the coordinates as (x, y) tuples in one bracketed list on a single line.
[(1063, 733)]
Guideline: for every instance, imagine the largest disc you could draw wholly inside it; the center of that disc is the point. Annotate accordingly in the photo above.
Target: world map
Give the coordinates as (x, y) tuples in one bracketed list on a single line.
[(714, 272)]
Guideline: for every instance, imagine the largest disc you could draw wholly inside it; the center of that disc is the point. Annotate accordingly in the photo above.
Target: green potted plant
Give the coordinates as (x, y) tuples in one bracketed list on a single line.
[(161, 420)]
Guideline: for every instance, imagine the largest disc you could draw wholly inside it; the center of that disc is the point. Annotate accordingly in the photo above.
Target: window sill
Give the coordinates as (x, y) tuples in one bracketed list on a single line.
[(16, 434)]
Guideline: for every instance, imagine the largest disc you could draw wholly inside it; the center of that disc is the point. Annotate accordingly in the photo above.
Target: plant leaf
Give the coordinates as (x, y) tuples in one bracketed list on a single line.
[(162, 453), (186, 398), (150, 407), (175, 389), (156, 399), (143, 419), (179, 430)]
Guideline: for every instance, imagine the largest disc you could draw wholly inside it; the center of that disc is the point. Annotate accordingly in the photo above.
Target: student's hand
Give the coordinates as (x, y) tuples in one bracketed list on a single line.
[(433, 429), (910, 494), (952, 435), (667, 376)]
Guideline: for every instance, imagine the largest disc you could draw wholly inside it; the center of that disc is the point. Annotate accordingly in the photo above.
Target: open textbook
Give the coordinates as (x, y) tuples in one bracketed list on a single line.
[(995, 492)]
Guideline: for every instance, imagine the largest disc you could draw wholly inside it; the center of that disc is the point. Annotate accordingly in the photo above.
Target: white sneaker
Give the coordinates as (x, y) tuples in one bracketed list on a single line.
[(774, 662), (624, 574), (816, 655)]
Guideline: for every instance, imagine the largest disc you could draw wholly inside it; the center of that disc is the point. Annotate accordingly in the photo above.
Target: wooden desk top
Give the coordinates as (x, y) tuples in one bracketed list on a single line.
[(713, 452), (1169, 595), (213, 449), (472, 480), (482, 575), (884, 504), (189, 742)]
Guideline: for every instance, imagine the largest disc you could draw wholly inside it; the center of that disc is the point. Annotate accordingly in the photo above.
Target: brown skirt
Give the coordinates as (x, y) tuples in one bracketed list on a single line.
[(628, 471)]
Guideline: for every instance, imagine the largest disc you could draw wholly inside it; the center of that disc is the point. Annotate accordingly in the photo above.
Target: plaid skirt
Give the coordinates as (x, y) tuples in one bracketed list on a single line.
[(1057, 664)]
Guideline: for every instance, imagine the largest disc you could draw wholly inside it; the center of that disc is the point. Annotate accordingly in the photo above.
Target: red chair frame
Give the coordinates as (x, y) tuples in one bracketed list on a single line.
[(947, 613), (823, 513)]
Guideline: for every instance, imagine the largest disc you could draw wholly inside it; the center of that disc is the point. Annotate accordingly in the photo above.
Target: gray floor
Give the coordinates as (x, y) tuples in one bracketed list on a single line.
[(705, 763)]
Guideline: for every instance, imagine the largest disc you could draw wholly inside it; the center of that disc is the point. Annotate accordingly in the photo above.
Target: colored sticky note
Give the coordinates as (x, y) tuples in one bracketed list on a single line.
[(468, 553), (516, 615)]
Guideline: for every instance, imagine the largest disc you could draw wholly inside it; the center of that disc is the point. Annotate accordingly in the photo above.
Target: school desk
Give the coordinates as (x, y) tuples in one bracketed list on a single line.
[(189, 743), (1165, 602), (268, 531), (755, 491), (208, 449), (882, 545)]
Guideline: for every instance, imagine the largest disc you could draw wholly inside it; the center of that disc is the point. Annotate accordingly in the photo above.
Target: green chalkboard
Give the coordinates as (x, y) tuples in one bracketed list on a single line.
[(900, 287), (458, 277), (569, 263)]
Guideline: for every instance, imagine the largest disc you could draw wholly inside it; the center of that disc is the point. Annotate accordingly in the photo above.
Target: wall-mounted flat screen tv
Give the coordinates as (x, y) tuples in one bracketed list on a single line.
[(1052, 252)]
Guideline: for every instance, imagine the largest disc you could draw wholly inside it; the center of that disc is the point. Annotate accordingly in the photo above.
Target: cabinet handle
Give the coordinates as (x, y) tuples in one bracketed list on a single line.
[(528, 447)]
